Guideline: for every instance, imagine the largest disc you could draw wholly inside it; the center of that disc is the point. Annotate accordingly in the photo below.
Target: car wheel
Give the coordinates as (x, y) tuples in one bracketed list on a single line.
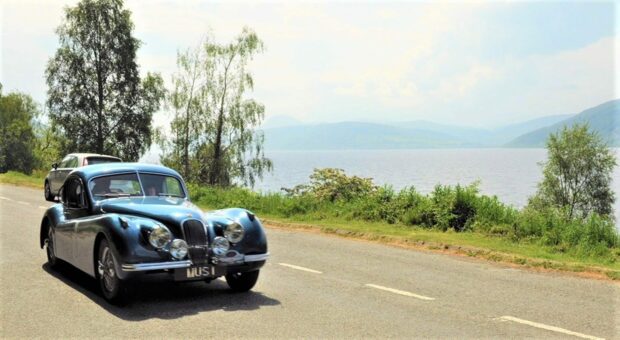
[(242, 282), (52, 260), (48, 192), (113, 288)]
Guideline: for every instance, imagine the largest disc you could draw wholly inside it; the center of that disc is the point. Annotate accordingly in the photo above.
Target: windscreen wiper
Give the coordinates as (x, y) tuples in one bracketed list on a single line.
[(168, 195), (113, 194)]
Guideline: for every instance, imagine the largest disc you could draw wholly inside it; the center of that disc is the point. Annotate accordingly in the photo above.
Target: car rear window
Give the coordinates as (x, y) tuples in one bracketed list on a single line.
[(99, 160)]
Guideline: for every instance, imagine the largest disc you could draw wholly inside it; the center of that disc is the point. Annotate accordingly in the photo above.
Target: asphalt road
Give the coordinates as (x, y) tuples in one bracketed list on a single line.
[(313, 286)]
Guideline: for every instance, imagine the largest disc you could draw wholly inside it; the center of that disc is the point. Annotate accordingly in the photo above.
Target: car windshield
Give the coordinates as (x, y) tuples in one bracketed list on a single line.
[(161, 185), (125, 185)]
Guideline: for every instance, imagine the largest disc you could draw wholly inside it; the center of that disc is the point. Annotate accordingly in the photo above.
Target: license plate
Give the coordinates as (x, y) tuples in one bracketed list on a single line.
[(196, 273)]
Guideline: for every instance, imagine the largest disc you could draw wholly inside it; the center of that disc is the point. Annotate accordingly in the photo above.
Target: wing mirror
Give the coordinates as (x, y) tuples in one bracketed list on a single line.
[(55, 166)]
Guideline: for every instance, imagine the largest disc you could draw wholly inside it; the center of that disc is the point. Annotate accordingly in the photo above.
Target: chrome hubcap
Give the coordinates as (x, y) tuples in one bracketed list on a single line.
[(106, 269)]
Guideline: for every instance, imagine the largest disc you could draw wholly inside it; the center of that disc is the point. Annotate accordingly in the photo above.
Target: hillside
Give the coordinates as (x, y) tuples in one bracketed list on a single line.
[(604, 118), (286, 133), (485, 137), (355, 135)]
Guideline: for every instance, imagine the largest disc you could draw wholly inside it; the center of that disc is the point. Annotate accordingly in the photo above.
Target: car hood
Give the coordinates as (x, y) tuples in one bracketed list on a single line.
[(172, 211), (168, 210)]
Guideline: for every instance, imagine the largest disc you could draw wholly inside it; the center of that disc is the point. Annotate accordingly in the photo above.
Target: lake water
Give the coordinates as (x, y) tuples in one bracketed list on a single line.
[(511, 174)]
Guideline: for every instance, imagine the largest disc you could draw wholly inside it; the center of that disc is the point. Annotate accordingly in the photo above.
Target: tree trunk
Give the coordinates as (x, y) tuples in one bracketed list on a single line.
[(217, 151), (186, 145), (100, 116), (99, 94)]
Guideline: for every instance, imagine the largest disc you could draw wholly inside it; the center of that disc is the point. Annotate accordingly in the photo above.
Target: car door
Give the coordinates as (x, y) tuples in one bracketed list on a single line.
[(57, 179), (75, 210), (67, 167), (63, 229)]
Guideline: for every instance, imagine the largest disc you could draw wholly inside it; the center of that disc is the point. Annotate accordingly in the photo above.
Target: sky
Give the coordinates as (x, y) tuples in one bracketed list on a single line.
[(479, 64)]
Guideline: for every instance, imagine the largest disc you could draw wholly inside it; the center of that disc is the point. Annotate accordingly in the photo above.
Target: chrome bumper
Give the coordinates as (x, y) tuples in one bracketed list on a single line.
[(140, 267)]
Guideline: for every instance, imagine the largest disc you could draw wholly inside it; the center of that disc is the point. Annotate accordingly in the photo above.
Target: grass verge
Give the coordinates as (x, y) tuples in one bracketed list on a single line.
[(17, 178), (471, 244)]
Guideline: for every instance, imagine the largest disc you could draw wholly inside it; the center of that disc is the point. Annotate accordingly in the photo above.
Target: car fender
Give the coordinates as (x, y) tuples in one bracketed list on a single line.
[(124, 235), (254, 240), (53, 215)]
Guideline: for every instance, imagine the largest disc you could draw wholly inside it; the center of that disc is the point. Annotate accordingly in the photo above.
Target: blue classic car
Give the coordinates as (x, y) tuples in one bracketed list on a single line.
[(120, 221)]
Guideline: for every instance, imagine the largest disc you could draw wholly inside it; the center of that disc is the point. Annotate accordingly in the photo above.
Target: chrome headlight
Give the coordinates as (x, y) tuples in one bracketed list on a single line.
[(234, 232), (220, 245), (159, 237), (178, 249)]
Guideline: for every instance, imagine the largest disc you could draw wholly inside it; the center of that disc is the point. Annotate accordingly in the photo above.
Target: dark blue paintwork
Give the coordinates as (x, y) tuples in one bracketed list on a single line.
[(77, 231)]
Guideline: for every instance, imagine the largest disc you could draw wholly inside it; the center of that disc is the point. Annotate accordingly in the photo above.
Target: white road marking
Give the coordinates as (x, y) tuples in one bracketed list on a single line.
[(549, 328), (401, 292), (300, 268), (4, 198), (22, 202), (43, 207)]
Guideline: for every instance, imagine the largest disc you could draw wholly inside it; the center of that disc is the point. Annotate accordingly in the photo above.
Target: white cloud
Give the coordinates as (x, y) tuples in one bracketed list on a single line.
[(344, 61)]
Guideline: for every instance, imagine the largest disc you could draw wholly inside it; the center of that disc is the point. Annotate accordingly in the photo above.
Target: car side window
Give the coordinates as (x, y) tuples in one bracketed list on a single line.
[(73, 163), (65, 162), (74, 191)]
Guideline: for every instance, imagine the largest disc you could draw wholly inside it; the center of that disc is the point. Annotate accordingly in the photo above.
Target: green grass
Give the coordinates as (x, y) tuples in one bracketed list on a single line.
[(466, 243), (487, 239), (17, 178)]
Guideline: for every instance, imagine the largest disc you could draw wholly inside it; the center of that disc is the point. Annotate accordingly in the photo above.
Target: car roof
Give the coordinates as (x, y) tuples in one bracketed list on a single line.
[(80, 154), (90, 171)]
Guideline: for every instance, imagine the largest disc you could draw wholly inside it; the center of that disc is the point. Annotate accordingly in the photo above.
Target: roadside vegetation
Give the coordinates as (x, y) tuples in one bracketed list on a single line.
[(569, 220), (448, 217), (98, 102)]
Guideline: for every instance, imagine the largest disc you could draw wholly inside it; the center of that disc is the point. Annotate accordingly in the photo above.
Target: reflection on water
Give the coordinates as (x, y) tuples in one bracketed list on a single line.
[(511, 174)]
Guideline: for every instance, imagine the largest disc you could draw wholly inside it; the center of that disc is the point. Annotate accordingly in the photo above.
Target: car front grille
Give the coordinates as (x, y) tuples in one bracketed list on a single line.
[(195, 235)]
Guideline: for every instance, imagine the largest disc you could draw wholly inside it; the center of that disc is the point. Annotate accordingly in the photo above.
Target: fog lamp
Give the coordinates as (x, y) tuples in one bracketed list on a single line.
[(220, 246), (178, 249)]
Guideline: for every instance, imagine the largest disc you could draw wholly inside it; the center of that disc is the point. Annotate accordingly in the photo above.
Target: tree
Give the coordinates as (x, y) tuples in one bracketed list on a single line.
[(96, 98), (48, 144), (577, 173), (212, 137), (17, 140)]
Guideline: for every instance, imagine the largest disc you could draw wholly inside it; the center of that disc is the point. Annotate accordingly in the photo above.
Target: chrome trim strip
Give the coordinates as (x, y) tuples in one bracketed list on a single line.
[(256, 257), (138, 267)]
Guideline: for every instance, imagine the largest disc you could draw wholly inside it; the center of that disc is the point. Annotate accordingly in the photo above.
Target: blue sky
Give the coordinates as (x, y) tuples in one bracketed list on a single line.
[(480, 64)]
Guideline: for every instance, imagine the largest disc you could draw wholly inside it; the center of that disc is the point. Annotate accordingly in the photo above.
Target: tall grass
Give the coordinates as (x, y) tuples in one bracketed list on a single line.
[(457, 208)]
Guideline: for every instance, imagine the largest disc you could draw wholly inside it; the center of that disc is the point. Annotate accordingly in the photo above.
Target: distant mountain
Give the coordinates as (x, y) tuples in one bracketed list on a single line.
[(287, 133), (604, 118), (485, 137), (509, 132), (355, 135), (280, 121), (468, 135)]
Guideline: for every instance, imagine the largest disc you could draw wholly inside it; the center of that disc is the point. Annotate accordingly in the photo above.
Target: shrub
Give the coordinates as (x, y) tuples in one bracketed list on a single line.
[(331, 184), (334, 195)]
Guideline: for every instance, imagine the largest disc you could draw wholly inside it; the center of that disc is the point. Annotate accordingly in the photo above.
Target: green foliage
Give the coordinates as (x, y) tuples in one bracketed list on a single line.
[(332, 195), (96, 98), (48, 145), (17, 139), (577, 174), (331, 184), (213, 138), (34, 180)]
